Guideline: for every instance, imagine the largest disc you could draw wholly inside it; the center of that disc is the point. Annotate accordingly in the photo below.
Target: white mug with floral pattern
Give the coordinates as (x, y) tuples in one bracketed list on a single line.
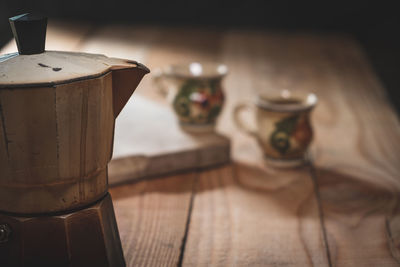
[(197, 94), (283, 131)]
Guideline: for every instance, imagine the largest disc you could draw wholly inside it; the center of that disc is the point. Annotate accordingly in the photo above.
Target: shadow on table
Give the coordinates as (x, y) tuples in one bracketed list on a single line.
[(349, 194), (337, 193), (362, 204)]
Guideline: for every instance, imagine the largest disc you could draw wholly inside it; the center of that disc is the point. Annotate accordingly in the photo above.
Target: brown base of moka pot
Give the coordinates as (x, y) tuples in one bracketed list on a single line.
[(87, 237)]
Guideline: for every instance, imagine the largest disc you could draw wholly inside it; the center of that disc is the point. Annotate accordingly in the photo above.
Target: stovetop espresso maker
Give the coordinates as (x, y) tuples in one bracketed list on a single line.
[(57, 114)]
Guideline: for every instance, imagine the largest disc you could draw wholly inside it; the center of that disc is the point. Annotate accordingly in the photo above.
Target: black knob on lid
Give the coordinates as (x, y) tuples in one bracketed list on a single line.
[(29, 33)]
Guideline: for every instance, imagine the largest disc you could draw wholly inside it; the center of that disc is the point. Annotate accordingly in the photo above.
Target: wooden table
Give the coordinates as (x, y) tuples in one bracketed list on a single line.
[(342, 209)]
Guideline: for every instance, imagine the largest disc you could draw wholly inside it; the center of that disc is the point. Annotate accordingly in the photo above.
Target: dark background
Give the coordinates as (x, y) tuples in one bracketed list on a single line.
[(374, 23)]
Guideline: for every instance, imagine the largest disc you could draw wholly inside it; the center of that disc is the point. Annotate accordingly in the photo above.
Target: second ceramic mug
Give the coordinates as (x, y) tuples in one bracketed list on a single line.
[(283, 130), (197, 95)]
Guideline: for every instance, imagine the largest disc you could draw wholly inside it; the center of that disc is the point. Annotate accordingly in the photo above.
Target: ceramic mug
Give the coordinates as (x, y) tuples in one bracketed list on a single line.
[(283, 129), (197, 94)]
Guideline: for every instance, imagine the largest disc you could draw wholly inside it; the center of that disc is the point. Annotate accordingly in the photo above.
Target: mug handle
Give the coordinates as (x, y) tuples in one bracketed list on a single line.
[(238, 121)]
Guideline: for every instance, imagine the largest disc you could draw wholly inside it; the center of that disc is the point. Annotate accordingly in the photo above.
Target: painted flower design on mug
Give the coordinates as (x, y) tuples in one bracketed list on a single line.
[(199, 101), (291, 134)]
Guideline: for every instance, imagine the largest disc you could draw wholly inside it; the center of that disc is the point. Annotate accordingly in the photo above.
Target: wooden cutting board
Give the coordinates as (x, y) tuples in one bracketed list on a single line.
[(149, 142)]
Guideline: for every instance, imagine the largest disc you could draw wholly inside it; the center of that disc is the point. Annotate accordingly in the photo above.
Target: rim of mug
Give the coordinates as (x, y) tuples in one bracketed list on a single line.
[(305, 102), (195, 70)]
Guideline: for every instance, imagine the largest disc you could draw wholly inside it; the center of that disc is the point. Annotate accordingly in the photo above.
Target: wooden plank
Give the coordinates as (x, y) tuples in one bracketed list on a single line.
[(152, 218), (356, 149), (359, 177), (352, 113), (246, 216)]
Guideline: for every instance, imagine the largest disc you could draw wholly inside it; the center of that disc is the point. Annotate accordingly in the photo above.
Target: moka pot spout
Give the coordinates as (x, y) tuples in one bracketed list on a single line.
[(124, 83)]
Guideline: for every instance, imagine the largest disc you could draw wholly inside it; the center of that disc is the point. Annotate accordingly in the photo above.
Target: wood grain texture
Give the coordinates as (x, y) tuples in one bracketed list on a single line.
[(356, 149), (360, 184), (152, 218), (244, 216)]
